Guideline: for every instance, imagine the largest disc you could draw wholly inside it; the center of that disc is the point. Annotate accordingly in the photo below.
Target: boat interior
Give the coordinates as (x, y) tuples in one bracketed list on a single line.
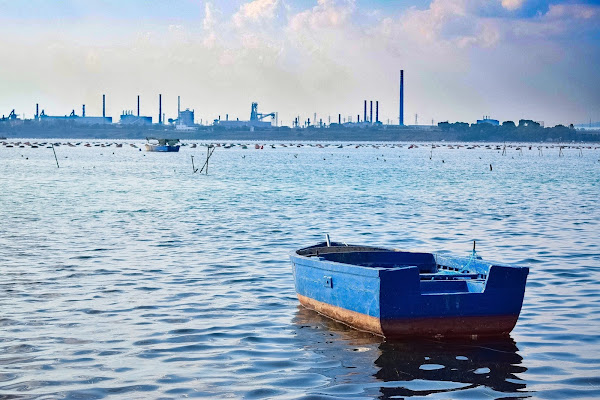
[(437, 273)]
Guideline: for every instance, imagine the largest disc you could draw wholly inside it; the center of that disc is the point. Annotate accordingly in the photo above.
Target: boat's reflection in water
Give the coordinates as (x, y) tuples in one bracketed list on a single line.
[(390, 369)]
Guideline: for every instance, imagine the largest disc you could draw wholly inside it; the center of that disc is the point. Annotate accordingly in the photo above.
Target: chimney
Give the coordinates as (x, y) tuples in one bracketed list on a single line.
[(138, 105), (401, 116), (377, 111), (37, 110), (160, 109), (178, 108), (365, 115), (83, 111), (371, 115), (340, 117), (103, 106)]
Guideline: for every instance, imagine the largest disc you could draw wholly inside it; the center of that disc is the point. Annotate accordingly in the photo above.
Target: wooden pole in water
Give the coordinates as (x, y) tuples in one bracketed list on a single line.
[(208, 155), (194, 169), (57, 166)]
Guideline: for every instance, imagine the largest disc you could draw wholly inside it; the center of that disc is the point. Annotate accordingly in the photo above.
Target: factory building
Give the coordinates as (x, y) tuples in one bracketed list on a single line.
[(128, 118), (186, 117), (256, 120), (83, 120)]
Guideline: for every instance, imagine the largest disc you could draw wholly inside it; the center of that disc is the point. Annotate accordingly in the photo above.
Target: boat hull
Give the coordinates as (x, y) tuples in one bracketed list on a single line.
[(161, 149), (472, 326), (397, 302)]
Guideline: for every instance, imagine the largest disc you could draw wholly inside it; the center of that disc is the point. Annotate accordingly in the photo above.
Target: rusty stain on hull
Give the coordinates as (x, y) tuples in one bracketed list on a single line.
[(464, 326), (351, 318)]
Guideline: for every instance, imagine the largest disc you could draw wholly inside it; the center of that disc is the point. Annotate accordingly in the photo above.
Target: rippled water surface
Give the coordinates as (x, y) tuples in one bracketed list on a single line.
[(126, 275)]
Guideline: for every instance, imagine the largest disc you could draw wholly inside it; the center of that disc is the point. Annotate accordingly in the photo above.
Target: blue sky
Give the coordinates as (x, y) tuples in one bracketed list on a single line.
[(510, 59)]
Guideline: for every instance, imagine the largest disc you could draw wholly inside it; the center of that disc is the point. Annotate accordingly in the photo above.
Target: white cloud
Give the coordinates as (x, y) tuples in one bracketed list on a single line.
[(255, 11), (208, 24), (572, 11), (326, 14), (512, 5)]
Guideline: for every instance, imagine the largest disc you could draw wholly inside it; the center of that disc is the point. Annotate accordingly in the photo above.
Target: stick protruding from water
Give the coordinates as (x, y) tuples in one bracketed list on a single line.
[(56, 158)]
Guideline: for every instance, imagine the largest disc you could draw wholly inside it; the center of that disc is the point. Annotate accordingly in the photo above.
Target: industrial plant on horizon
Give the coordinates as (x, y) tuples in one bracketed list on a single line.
[(185, 120)]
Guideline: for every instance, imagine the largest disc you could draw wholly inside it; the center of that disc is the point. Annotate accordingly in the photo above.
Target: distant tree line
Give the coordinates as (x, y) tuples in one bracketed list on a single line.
[(527, 130)]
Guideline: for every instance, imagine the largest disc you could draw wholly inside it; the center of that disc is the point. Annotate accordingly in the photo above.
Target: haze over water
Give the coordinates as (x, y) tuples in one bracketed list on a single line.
[(125, 275)]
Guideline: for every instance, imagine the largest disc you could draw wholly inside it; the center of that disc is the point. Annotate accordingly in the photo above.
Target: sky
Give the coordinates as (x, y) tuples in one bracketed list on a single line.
[(462, 59)]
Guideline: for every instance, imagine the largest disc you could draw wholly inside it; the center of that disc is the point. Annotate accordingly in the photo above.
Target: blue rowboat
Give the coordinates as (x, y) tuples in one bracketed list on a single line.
[(162, 145), (394, 293)]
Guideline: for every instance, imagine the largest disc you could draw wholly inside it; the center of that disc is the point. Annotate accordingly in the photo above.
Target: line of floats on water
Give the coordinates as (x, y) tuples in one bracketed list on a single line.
[(498, 147)]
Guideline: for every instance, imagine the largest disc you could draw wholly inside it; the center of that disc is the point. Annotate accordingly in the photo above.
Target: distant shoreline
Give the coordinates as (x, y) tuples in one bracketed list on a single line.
[(377, 133)]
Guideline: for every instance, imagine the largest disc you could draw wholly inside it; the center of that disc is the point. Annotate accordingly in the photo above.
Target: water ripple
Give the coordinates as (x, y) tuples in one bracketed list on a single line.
[(127, 276)]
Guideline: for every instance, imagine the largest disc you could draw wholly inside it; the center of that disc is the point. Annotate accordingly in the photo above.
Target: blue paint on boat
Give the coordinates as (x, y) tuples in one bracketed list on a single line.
[(394, 293)]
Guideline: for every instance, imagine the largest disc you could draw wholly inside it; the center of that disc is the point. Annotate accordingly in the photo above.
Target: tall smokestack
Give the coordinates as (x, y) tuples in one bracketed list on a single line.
[(83, 111), (103, 106), (401, 116), (138, 105), (160, 109), (371, 115), (37, 110), (178, 108), (340, 118), (377, 111), (365, 116)]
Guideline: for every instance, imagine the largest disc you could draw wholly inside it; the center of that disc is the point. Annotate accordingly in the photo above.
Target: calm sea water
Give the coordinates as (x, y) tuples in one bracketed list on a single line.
[(125, 275)]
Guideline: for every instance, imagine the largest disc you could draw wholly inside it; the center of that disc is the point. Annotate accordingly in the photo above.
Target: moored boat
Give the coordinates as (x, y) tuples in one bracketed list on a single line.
[(395, 293), (162, 145)]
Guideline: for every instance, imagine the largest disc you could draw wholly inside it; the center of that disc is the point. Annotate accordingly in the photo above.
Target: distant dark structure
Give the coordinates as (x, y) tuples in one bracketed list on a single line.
[(401, 115), (160, 109), (488, 120), (103, 106)]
